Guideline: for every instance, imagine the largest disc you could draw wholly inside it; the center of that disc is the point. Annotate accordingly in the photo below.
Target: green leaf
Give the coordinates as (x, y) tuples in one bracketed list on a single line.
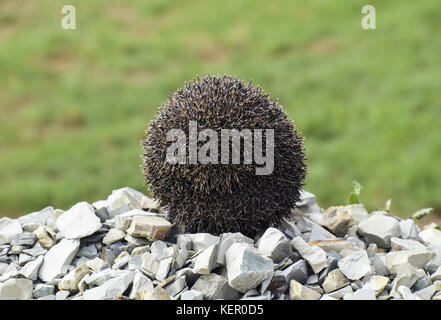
[(421, 213), (354, 195), (387, 205)]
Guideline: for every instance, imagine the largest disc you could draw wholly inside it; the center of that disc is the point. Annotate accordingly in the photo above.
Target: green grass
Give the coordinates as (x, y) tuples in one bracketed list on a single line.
[(74, 104)]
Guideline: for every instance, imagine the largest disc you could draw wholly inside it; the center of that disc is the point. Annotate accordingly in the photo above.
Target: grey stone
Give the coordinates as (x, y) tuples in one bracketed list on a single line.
[(102, 213), (355, 265), (379, 229), (205, 261), (427, 292), (57, 257), (422, 283), (176, 286), (433, 264), (337, 220), (113, 235), (318, 233), (358, 212), (9, 229), (226, 240), (140, 283), (163, 269), (16, 289), (379, 264), (407, 276), (37, 250), (406, 244), (39, 217), (406, 294), (213, 287), (274, 245), (340, 293), (42, 290), (408, 229), (62, 295), (78, 222), (431, 236), (30, 269), (24, 239), (332, 265), (246, 267), (24, 258), (110, 289), (192, 295), (365, 293), (201, 241), (89, 252), (314, 255), (49, 297), (297, 271)]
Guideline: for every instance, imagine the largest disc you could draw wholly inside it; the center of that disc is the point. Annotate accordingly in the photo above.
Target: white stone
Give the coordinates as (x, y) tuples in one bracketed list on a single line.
[(201, 241), (274, 245), (110, 289), (378, 283), (335, 280), (39, 217), (9, 228), (315, 256), (226, 240), (406, 244), (205, 260), (395, 259), (150, 227), (340, 293), (336, 220), (246, 267), (356, 265), (426, 293), (299, 292), (192, 295), (44, 238), (71, 280), (379, 229), (149, 264), (407, 276), (407, 294), (140, 283), (164, 268), (79, 221), (214, 286), (358, 212), (409, 229), (30, 269), (365, 293), (176, 286), (113, 235), (16, 289), (57, 258), (431, 236)]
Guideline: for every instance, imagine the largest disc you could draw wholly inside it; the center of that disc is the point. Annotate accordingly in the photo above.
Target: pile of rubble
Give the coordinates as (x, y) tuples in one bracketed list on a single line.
[(125, 248)]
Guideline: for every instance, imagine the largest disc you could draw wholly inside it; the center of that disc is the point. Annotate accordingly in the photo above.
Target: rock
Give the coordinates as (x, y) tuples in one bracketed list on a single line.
[(48, 297), (315, 256), (44, 238), (192, 295), (340, 293), (213, 287), (406, 293), (30, 269), (35, 251), (79, 221), (246, 268), (140, 283), (62, 295), (379, 229), (408, 229), (24, 258), (31, 227), (9, 229), (355, 265), (176, 286), (156, 294), (39, 217), (205, 261), (336, 245), (201, 241), (58, 257), (371, 250), (163, 269), (16, 289), (89, 252), (122, 200), (335, 280), (299, 292), (357, 212), (431, 237), (42, 290), (426, 293), (274, 245), (225, 241), (378, 283), (436, 275), (122, 259), (407, 276), (406, 244), (336, 220), (297, 271), (72, 279), (365, 293), (112, 236), (419, 258), (395, 259), (422, 283), (150, 227), (149, 265), (319, 234), (111, 288), (24, 239)]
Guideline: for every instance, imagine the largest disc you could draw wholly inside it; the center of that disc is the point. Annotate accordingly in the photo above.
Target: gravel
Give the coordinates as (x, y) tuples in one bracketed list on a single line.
[(124, 247)]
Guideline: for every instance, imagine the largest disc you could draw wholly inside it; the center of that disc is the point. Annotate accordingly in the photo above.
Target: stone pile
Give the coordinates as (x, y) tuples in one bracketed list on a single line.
[(125, 248)]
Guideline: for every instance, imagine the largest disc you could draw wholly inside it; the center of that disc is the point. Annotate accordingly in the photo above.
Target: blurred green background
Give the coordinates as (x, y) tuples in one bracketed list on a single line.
[(74, 104)]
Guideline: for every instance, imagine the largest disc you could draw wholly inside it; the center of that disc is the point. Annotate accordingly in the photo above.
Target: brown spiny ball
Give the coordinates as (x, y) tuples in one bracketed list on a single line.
[(224, 197)]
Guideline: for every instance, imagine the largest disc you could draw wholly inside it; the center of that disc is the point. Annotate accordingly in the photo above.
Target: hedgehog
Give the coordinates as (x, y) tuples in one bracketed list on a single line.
[(226, 192)]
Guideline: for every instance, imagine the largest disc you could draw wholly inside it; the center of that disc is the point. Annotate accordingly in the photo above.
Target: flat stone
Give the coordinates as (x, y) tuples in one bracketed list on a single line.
[(419, 258), (150, 227), (39, 217), (79, 221), (340, 293), (406, 244), (314, 255), (334, 281), (214, 287), (426, 293), (407, 276), (433, 264), (297, 271), (163, 269), (110, 289), (205, 261), (113, 235), (57, 258), (336, 220), (122, 259), (24, 239), (246, 267), (42, 290), (30, 269), (274, 245), (122, 200), (319, 234), (9, 229), (89, 252), (16, 289), (201, 241), (299, 292), (62, 295), (225, 242), (35, 251), (406, 293), (48, 297), (176, 286), (31, 227), (192, 295), (140, 283), (149, 264), (365, 293), (355, 265), (24, 258), (379, 229), (378, 283)]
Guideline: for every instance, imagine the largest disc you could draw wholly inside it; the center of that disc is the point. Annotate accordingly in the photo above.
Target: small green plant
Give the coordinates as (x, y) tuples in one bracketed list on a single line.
[(422, 213), (353, 197)]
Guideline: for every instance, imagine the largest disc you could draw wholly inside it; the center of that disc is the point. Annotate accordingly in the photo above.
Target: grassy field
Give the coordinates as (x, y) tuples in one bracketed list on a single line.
[(74, 104)]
